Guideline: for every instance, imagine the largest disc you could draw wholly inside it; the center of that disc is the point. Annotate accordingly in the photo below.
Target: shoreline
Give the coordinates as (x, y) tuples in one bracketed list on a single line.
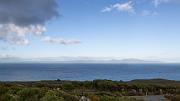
[(91, 80)]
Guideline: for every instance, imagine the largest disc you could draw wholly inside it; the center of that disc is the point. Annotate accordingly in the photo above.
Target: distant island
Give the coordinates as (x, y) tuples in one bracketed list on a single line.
[(75, 60)]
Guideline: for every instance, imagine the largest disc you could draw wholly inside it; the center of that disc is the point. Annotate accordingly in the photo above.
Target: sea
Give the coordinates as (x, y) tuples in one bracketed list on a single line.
[(87, 71)]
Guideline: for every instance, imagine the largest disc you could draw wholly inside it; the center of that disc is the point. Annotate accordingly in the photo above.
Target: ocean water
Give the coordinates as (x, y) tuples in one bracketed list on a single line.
[(77, 71)]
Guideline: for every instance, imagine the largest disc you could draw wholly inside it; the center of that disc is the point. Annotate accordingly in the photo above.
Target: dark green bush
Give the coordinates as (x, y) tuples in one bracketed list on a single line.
[(29, 94), (51, 98), (9, 97)]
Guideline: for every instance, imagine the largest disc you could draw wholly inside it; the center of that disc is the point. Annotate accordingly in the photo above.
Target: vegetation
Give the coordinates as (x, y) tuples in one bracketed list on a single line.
[(173, 97), (97, 90)]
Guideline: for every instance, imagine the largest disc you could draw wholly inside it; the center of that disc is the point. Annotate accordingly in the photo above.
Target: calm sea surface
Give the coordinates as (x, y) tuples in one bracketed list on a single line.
[(30, 71)]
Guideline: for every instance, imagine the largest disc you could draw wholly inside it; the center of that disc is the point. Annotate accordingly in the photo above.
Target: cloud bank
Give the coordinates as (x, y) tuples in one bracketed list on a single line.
[(19, 18), (27, 12)]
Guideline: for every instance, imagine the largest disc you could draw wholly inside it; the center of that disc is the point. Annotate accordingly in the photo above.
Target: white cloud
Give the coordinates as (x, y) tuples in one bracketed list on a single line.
[(4, 56), (123, 7), (59, 40), (107, 9), (158, 2), (17, 35), (14, 34), (149, 13), (6, 48)]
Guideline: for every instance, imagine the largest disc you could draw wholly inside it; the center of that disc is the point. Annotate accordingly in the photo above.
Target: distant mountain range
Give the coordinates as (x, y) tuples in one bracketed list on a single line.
[(73, 60)]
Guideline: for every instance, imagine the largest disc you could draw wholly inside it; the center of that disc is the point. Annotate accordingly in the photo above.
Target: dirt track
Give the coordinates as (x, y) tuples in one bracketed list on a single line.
[(151, 97)]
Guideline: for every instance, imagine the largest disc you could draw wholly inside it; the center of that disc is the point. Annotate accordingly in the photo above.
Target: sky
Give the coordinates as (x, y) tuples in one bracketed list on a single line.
[(142, 29)]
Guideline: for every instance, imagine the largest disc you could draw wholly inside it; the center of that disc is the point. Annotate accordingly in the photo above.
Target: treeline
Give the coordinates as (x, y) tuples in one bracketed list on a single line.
[(96, 90)]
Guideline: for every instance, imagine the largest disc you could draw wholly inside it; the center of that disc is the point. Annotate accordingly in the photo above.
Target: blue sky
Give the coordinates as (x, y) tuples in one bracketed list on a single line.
[(144, 29)]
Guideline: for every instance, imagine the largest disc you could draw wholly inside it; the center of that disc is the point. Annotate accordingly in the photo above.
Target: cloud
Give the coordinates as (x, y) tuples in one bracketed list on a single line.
[(123, 7), (149, 13), (158, 2), (14, 34), (27, 12), (19, 18), (107, 9), (6, 48), (59, 40)]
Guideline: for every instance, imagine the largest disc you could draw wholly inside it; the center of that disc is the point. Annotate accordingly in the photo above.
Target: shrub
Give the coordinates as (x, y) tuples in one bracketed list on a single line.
[(8, 97), (51, 98), (67, 86), (3, 90), (29, 94)]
